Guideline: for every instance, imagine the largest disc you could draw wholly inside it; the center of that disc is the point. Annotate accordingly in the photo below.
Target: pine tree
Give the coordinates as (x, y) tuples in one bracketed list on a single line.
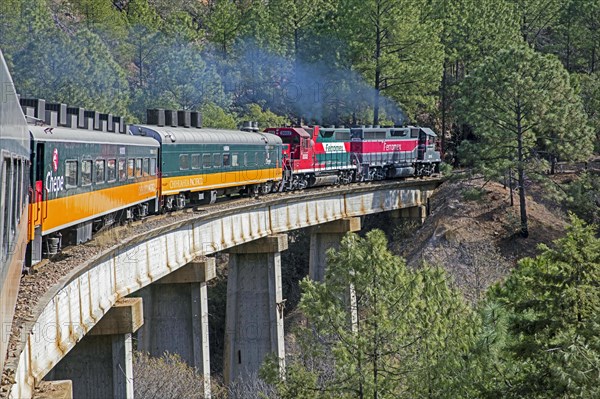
[(395, 45), (521, 103), (408, 338), (553, 302)]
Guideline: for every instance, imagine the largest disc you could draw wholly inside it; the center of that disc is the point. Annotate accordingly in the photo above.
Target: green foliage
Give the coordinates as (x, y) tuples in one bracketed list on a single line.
[(396, 48), (446, 169), (474, 29), (535, 16), (407, 341), (553, 302), (225, 23), (520, 103), (264, 118), (583, 197), (520, 91), (77, 68), (294, 18), (590, 94), (215, 116), (473, 194), (260, 52)]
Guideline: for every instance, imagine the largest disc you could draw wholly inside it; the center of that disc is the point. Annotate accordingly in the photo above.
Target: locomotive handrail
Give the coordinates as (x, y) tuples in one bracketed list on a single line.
[(46, 191), (30, 213)]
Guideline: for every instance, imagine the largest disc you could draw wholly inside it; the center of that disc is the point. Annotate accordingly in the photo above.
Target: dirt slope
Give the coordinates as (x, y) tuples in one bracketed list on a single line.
[(477, 240)]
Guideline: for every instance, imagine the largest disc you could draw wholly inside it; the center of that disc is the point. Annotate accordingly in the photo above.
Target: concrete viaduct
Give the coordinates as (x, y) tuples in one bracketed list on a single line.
[(80, 338)]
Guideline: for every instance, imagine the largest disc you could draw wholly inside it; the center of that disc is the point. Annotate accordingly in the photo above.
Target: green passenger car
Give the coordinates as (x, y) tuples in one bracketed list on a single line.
[(197, 165), (82, 179)]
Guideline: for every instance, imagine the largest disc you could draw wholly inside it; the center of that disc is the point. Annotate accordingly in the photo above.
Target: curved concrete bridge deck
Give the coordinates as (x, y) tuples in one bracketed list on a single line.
[(83, 297)]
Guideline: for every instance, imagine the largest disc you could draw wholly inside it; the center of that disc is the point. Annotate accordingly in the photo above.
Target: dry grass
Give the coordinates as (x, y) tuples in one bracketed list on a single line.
[(167, 377)]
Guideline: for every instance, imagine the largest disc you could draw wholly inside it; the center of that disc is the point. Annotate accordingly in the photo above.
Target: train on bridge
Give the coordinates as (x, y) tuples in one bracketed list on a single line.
[(67, 178), (82, 181)]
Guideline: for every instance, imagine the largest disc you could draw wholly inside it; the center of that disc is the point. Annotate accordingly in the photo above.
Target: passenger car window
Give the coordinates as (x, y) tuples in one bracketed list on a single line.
[(146, 167), (18, 190), (122, 169), (86, 173), (184, 162), (71, 174), (234, 160), (206, 161), (226, 160), (196, 161), (153, 166), (6, 201), (216, 160), (138, 167), (130, 168), (3, 207), (111, 167), (100, 170)]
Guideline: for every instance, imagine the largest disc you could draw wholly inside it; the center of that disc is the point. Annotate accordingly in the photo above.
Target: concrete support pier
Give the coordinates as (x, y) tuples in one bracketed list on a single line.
[(176, 316), (323, 237), (101, 365), (416, 213), (254, 320)]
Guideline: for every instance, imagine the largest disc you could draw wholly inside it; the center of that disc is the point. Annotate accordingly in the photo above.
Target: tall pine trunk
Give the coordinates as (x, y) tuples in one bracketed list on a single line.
[(521, 174), (377, 70), (444, 99)]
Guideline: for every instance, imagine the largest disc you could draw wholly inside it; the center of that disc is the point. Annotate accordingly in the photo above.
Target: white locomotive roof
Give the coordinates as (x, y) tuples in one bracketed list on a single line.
[(428, 131), (182, 135), (46, 133)]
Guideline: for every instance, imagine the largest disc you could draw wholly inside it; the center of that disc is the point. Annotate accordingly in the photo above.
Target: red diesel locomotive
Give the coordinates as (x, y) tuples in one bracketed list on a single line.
[(318, 156)]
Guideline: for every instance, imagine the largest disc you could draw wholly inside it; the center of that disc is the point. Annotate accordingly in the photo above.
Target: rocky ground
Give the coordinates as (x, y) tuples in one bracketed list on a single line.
[(473, 232)]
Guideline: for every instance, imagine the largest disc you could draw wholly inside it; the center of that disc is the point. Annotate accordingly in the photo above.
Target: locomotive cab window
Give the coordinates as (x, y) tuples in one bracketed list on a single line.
[(206, 161), (195, 161), (100, 170), (153, 166), (111, 168), (226, 160), (130, 168), (86, 173), (71, 174), (184, 162), (138, 167), (122, 169), (414, 133)]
